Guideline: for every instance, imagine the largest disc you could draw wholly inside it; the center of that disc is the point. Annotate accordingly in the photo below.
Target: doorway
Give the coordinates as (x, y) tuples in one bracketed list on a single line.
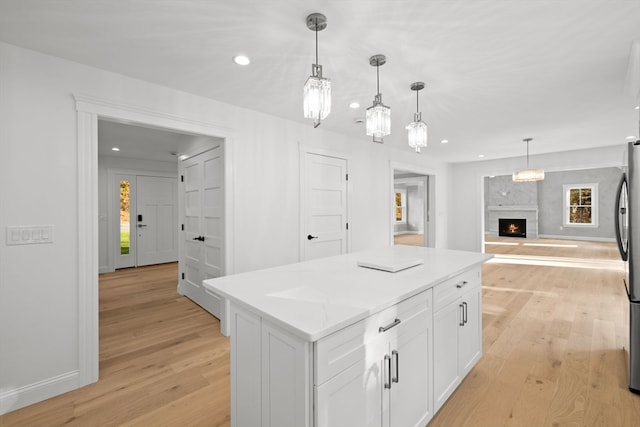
[(91, 217), (412, 204)]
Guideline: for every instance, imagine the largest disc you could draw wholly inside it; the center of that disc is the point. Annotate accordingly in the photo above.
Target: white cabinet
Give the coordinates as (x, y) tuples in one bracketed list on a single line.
[(270, 381), (394, 368), (389, 381), (457, 332)]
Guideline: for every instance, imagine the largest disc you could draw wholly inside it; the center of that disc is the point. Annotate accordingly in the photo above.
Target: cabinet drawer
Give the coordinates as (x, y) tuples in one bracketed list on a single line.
[(343, 348), (451, 289)]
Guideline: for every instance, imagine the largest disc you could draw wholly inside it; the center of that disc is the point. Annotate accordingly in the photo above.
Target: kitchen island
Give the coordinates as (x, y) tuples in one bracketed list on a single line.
[(328, 343)]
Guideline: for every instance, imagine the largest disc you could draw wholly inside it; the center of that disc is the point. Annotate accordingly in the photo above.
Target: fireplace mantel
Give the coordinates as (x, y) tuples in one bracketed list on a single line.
[(513, 208)]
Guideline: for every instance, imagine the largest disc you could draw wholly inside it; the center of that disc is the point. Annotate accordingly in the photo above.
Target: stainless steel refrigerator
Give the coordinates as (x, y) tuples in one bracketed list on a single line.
[(627, 220)]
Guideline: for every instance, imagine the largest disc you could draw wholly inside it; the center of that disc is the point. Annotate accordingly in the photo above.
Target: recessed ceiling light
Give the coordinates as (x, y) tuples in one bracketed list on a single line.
[(354, 105), (241, 60), (637, 107), (115, 149), (444, 141), (481, 156)]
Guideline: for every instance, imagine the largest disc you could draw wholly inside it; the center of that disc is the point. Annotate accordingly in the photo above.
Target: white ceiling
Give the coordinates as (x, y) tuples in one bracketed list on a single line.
[(496, 71)]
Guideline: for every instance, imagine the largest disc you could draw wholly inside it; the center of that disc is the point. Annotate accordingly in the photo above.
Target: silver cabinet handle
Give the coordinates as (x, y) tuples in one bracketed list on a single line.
[(396, 322), (462, 284), (142, 225), (387, 362), (461, 314), (397, 377), (465, 320)]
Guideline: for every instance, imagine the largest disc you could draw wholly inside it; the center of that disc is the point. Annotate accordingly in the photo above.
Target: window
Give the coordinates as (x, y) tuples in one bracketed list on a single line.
[(399, 204), (581, 205), (124, 218)]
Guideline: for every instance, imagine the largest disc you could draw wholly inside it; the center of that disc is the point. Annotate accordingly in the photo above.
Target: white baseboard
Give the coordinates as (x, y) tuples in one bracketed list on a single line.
[(564, 237), (16, 398)]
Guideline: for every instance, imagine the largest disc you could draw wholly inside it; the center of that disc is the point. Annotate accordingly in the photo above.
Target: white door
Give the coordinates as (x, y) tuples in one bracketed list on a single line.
[(203, 237), (156, 220), (323, 206)]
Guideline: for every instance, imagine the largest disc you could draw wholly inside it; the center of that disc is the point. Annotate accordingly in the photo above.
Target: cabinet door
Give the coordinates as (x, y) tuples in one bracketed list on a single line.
[(353, 398), (471, 332), (446, 375), (411, 402)]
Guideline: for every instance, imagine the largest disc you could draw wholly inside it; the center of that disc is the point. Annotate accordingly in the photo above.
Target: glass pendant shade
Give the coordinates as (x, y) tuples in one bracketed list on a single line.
[(417, 133), (317, 96), (528, 175), (378, 119)]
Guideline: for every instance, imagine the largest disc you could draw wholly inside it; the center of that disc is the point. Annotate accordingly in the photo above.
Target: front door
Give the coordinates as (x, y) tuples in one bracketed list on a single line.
[(156, 220), (203, 237), (147, 222), (324, 206)]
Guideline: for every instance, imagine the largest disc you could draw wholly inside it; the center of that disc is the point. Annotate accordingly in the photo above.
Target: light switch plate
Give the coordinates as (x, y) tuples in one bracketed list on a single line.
[(29, 234)]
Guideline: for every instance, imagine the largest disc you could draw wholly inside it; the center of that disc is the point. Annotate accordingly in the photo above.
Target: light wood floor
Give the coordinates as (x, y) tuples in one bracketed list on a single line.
[(409, 239), (555, 325)]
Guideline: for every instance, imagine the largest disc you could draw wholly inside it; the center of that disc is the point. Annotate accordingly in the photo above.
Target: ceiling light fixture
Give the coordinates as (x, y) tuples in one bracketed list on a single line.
[(378, 115), (115, 149), (317, 90), (528, 175), (241, 60), (354, 105), (417, 129), (444, 141)]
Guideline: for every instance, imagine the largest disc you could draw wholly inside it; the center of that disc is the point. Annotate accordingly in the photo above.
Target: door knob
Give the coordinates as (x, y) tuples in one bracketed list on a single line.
[(199, 238), (142, 225), (310, 237)]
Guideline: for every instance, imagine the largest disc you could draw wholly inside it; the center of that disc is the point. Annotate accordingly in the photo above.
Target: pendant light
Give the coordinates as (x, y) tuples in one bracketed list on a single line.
[(378, 115), (528, 175), (317, 90), (417, 129)]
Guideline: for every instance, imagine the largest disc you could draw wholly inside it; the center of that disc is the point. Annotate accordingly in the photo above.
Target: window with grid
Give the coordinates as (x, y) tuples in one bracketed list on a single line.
[(581, 205)]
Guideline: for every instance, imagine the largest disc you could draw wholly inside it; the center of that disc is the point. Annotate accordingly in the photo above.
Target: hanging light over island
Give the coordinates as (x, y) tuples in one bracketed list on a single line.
[(417, 129), (317, 89), (378, 115)]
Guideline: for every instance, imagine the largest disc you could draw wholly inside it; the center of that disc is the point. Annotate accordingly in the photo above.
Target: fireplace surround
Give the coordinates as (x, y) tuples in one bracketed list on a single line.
[(528, 212)]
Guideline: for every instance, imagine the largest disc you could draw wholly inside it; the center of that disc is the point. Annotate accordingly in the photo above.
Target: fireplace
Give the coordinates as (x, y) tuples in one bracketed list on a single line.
[(512, 227)]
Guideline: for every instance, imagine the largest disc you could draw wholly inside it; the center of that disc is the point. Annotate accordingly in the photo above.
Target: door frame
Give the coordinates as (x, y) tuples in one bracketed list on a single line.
[(430, 201), (113, 201), (303, 151), (89, 110)]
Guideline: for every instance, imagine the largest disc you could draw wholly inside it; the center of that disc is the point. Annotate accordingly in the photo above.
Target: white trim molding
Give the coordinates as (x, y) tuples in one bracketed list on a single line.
[(89, 110)]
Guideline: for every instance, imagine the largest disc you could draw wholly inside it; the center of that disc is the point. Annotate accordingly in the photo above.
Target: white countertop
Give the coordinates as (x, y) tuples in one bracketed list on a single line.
[(316, 298)]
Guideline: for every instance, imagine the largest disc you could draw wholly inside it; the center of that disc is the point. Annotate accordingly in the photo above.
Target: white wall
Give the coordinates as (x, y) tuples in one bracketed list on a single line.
[(466, 209), (39, 286)]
